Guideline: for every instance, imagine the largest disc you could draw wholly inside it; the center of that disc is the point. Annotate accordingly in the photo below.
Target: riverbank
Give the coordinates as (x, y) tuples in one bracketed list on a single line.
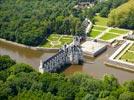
[(92, 66), (53, 50)]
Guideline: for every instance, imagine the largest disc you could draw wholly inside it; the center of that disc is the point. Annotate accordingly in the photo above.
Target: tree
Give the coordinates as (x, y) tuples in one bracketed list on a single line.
[(110, 82), (3, 75), (5, 62), (104, 12), (31, 22), (129, 85), (127, 96), (17, 68), (123, 16), (89, 97), (21, 82), (106, 6), (33, 95)]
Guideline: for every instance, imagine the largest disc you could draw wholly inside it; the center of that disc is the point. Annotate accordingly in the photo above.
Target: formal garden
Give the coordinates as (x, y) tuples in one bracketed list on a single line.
[(57, 41), (128, 56), (106, 33)]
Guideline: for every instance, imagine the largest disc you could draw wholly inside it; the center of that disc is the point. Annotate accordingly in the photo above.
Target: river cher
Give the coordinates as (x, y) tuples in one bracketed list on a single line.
[(94, 67)]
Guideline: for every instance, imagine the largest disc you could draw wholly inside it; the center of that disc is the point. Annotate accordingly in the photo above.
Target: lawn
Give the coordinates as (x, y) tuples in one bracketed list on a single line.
[(67, 36), (100, 20), (46, 44), (108, 36), (54, 37), (66, 40), (128, 57), (131, 48), (57, 41), (119, 31), (94, 33), (99, 28)]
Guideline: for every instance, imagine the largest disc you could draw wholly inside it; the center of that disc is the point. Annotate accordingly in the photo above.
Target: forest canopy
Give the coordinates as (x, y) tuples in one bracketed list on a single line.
[(20, 81), (30, 21), (123, 16)]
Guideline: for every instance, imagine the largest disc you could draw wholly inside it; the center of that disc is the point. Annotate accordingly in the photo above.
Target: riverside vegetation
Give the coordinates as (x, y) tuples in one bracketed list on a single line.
[(20, 81)]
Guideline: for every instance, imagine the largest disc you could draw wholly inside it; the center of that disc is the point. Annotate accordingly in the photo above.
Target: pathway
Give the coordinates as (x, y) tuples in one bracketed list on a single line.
[(103, 33)]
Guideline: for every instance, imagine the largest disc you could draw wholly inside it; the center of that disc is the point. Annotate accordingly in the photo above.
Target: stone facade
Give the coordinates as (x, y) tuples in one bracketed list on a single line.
[(69, 54)]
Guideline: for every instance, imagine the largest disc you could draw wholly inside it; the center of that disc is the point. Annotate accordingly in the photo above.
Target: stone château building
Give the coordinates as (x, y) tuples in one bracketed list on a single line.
[(69, 54)]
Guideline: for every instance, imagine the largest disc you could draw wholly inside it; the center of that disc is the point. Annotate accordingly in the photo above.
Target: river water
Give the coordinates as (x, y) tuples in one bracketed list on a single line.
[(94, 67)]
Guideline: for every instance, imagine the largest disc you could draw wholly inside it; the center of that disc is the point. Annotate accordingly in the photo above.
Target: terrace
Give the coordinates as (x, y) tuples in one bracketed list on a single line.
[(93, 49), (128, 56), (124, 56)]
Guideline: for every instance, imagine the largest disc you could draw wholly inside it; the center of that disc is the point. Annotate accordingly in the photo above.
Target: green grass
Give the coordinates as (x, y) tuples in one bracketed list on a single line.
[(128, 57), (67, 36), (46, 45), (94, 33), (118, 31), (54, 38), (99, 28), (66, 40), (100, 20), (131, 48), (108, 36)]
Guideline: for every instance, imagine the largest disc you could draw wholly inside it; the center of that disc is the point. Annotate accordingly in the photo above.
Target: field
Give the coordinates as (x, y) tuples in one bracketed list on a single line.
[(57, 41), (128, 56)]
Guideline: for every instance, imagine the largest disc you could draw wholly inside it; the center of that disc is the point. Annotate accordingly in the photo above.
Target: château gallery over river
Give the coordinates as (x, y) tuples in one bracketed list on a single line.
[(93, 66)]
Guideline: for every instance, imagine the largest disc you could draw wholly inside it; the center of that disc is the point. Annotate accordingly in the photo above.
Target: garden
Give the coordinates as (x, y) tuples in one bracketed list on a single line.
[(96, 31), (57, 41), (103, 33), (108, 36), (128, 56)]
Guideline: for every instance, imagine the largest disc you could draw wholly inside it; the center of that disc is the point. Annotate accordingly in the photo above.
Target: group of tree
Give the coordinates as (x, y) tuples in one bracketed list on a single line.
[(30, 21), (106, 6), (120, 13), (103, 7), (20, 82), (123, 16)]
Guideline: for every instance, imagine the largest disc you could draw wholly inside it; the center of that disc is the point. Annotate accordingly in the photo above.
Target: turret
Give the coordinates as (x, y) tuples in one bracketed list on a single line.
[(76, 41), (41, 69)]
